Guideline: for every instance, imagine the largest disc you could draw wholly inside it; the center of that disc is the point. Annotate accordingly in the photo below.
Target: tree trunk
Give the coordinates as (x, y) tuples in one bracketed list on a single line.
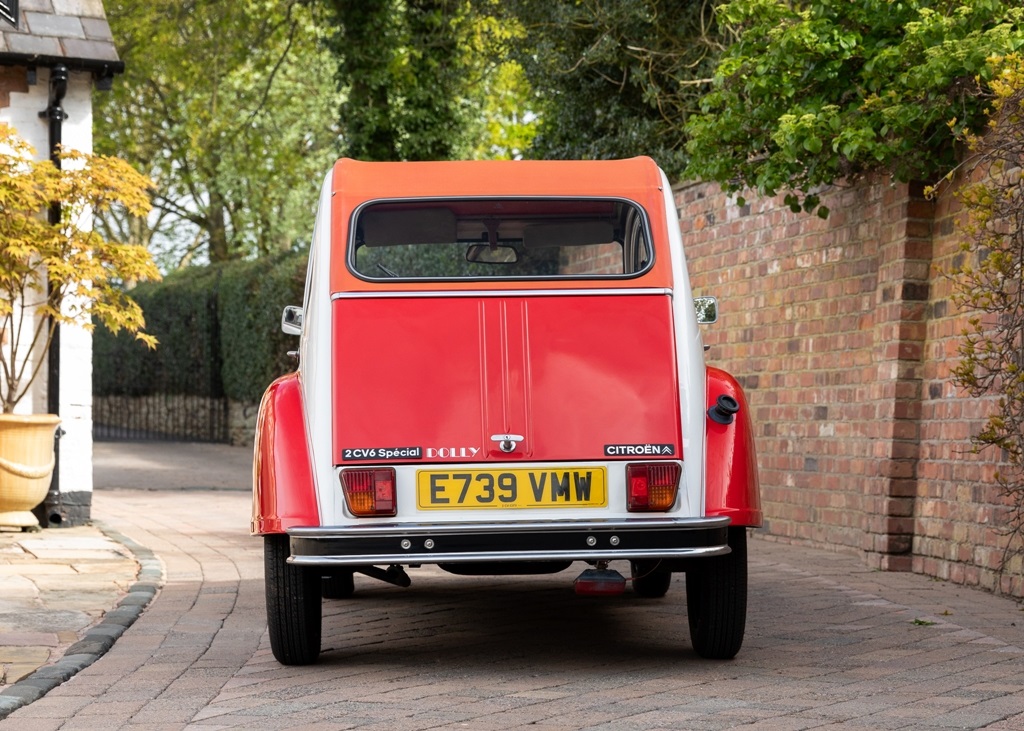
[(366, 44), (216, 218)]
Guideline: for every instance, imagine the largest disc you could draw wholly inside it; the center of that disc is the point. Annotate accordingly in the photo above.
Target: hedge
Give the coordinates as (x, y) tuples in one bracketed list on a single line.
[(253, 347), (219, 331)]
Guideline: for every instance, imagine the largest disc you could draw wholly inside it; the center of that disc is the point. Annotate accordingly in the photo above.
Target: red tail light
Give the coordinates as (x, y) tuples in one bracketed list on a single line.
[(651, 486), (370, 492)]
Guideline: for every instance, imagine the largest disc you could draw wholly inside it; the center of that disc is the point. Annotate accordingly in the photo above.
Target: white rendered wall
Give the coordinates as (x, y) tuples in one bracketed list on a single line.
[(75, 471)]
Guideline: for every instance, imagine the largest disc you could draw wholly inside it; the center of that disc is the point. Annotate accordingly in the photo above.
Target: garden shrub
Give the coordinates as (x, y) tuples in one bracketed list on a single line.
[(218, 329), (253, 347)]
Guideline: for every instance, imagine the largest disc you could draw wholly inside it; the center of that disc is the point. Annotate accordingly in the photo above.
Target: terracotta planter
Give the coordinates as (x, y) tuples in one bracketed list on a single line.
[(26, 464)]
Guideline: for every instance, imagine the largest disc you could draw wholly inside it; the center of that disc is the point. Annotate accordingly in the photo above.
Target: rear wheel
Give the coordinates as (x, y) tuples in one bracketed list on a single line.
[(650, 581), (716, 601), (293, 605)]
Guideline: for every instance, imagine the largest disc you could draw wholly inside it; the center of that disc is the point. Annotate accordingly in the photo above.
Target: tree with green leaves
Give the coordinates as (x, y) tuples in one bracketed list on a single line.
[(62, 272), (614, 78), (230, 108), (437, 79), (816, 91), (407, 73)]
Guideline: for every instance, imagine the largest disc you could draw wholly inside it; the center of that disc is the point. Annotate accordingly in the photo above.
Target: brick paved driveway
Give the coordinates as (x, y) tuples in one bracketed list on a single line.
[(830, 645)]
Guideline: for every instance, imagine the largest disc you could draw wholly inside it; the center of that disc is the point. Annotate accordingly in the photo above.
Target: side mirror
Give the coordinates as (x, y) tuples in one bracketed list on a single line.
[(291, 320), (707, 309)]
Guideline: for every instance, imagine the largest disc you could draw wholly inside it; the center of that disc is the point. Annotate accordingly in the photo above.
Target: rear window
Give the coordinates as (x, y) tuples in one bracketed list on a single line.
[(500, 238)]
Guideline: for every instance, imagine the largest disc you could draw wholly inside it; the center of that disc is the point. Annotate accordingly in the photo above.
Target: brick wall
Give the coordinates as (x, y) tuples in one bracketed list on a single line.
[(591, 259), (960, 510), (12, 78), (842, 333)]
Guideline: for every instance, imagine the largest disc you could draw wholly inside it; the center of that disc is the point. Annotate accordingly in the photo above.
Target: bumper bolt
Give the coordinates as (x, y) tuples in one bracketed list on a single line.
[(406, 544)]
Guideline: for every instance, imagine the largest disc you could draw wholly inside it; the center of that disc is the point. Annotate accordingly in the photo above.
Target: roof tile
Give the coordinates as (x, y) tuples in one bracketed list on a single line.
[(97, 29), (72, 29), (33, 45), (42, 6), (93, 50), (62, 26), (80, 8)]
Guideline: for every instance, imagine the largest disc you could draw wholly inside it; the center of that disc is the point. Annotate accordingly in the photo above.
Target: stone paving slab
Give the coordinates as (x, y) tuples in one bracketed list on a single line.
[(84, 582), (55, 585)]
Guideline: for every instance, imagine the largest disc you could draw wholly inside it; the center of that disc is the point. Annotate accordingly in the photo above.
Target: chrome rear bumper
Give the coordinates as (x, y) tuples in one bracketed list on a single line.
[(582, 540)]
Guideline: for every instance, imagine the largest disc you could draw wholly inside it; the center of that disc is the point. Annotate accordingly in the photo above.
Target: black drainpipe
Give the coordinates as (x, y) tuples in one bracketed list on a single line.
[(52, 512)]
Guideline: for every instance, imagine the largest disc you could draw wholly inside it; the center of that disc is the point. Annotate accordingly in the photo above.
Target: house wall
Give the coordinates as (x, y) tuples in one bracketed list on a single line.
[(843, 336), (20, 105)]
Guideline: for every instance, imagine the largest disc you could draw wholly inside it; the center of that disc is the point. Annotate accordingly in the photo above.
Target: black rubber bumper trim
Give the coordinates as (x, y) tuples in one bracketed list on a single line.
[(570, 542)]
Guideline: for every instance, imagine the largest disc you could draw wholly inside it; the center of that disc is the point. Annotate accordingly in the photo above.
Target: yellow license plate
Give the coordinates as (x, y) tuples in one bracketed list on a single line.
[(552, 487)]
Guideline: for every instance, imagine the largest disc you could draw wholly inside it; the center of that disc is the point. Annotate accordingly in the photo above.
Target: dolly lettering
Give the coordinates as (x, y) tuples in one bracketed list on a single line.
[(447, 452)]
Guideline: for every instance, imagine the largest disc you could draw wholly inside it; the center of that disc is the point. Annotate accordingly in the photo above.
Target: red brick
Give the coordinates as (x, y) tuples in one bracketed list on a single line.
[(814, 310), (12, 79)]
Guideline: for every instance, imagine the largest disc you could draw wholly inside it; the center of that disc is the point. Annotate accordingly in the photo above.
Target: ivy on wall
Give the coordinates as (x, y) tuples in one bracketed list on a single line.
[(825, 90)]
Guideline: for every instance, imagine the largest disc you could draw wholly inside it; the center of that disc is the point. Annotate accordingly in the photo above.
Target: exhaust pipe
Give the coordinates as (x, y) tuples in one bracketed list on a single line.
[(392, 575)]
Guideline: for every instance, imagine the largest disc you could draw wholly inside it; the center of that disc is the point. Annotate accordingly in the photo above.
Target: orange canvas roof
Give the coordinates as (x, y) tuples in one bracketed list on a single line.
[(637, 179), (370, 180)]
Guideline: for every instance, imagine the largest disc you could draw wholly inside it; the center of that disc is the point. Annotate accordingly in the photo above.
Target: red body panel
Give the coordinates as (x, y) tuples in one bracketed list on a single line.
[(284, 492), (730, 483), (568, 374)]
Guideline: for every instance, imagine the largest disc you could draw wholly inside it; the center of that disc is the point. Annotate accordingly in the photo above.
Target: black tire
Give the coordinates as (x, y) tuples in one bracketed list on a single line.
[(716, 601), (339, 585), (649, 581), (293, 605)]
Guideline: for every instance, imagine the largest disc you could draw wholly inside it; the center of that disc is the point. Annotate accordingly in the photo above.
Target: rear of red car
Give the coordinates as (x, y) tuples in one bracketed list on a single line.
[(501, 372)]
